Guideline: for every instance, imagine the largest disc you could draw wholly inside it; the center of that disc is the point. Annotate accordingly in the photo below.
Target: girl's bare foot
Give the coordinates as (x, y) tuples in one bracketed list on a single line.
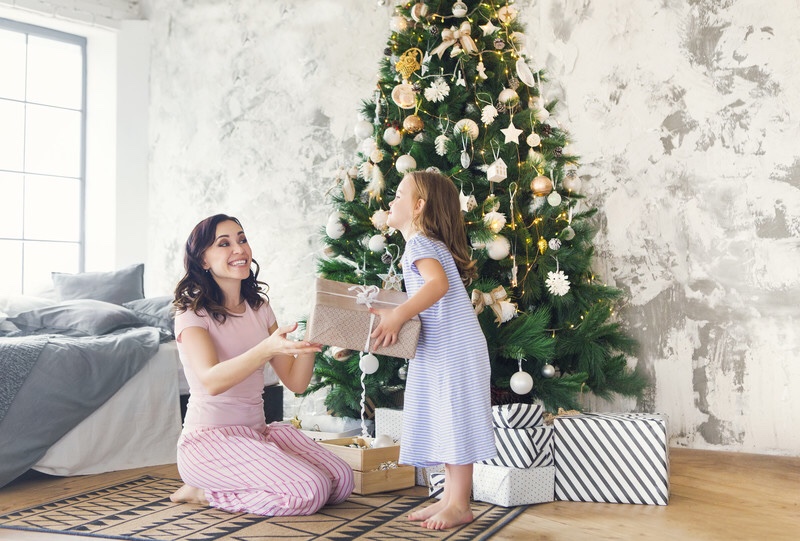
[(448, 517), (189, 494), (428, 512)]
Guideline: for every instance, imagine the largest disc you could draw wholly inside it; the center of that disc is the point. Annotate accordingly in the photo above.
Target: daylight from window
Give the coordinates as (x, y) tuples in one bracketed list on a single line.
[(42, 117)]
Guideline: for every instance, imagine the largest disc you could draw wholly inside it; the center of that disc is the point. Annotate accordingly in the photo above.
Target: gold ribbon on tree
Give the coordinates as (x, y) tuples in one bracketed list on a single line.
[(492, 299), (453, 35)]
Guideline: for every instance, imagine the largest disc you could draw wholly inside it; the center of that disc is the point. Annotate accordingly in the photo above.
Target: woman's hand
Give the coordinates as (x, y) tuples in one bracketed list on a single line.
[(278, 343), (385, 334)]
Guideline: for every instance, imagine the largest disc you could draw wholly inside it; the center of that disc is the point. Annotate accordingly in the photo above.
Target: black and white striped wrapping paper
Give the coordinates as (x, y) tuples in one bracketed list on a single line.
[(436, 487), (517, 415), (523, 447), (612, 457)]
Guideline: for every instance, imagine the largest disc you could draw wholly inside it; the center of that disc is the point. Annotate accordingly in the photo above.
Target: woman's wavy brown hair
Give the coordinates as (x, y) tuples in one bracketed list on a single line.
[(441, 219), (197, 289)]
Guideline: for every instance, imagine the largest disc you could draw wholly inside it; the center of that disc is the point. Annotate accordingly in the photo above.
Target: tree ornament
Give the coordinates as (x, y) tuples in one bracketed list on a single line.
[(509, 97), (497, 171), (368, 145), (557, 282), (335, 229), (379, 218), (568, 233), (572, 183), (377, 243), (524, 73), (497, 301), (520, 41), (499, 44), (554, 199), (488, 29), (468, 127), (521, 382), (512, 133), (392, 279), (468, 202), (466, 159), (368, 363), (533, 140), (541, 115), (542, 245), (392, 136), (413, 124), (363, 129), (402, 373), (541, 185), (437, 91), (440, 143), (498, 248), (507, 14), (554, 243), (495, 221), (488, 114), (376, 183), (348, 188), (376, 156), (548, 371), (419, 11), (398, 24), (340, 354), (460, 9), (409, 63), (492, 204), (482, 71), (459, 37), (403, 95), (405, 163)]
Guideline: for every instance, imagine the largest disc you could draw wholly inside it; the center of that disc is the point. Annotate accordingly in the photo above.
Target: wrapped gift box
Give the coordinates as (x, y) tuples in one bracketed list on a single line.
[(523, 447), (436, 485), (517, 415), (423, 475), (375, 468), (612, 457), (510, 487), (390, 422), (341, 318)]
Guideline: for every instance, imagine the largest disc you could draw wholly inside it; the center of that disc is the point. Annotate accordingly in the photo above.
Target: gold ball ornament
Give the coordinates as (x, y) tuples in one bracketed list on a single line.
[(541, 186), (413, 124)]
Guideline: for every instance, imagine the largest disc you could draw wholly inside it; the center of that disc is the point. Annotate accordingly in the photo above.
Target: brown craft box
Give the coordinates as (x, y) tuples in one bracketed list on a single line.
[(366, 464), (338, 320)]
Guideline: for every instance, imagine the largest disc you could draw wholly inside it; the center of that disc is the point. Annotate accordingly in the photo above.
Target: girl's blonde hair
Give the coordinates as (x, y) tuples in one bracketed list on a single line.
[(441, 218)]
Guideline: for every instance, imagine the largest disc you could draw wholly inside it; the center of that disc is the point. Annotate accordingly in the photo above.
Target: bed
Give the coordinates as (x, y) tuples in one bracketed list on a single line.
[(89, 378)]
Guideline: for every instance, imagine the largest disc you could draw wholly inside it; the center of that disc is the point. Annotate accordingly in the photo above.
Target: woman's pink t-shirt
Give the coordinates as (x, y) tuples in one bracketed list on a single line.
[(241, 405)]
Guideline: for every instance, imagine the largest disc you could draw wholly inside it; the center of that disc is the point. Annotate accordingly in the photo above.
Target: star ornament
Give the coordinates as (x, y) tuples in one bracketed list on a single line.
[(512, 133), (489, 28), (392, 280)]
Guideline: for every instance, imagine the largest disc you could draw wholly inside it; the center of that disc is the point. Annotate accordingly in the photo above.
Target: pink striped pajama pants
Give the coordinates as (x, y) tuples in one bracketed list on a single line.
[(278, 472)]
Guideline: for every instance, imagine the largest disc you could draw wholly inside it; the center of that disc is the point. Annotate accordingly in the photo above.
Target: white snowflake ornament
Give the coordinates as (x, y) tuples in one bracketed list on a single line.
[(557, 283)]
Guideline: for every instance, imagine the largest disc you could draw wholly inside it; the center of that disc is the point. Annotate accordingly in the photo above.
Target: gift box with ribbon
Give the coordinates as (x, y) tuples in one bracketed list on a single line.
[(523, 447), (341, 318), (612, 458)]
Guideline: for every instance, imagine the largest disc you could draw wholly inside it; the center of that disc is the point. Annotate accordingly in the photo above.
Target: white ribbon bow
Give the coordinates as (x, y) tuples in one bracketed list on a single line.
[(365, 295), (457, 34)]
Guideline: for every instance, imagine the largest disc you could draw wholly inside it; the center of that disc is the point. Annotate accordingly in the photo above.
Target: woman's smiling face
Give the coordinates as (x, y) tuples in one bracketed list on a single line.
[(229, 256)]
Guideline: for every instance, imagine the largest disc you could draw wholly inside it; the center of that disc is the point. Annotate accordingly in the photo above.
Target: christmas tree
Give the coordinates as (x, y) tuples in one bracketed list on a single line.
[(456, 93)]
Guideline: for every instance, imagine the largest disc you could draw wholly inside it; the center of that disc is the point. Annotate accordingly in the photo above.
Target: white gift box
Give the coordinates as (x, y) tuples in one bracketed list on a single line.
[(612, 457), (509, 487), (517, 415), (523, 447), (390, 422)]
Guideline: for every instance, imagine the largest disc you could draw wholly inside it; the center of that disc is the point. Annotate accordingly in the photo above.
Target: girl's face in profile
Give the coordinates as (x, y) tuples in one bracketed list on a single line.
[(229, 256), (405, 206)]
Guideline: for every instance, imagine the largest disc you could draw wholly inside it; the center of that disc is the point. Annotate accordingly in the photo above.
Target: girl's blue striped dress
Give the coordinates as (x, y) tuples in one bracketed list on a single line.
[(447, 412)]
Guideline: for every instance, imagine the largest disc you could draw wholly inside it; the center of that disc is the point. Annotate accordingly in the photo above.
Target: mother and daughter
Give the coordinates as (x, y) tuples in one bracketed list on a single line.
[(226, 331)]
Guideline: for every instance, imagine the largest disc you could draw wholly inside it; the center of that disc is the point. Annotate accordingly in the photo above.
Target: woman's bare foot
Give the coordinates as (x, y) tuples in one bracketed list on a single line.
[(448, 517), (428, 512), (189, 494)]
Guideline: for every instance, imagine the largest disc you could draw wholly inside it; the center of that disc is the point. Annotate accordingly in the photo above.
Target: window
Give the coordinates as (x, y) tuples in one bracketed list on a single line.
[(42, 155)]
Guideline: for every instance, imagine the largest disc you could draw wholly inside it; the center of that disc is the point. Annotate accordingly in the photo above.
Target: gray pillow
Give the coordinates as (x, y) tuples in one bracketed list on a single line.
[(116, 287), (76, 318), (154, 312)]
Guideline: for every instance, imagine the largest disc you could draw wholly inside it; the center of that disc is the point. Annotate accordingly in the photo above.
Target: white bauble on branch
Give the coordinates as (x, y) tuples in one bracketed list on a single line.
[(377, 243), (498, 248), (405, 163), (379, 218), (392, 136), (398, 24), (468, 127), (572, 183), (368, 146), (363, 129), (369, 363), (460, 9), (521, 382), (334, 229)]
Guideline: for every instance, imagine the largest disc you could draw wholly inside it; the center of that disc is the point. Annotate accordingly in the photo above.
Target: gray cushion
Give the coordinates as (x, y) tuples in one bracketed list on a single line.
[(154, 312), (116, 287), (76, 318)]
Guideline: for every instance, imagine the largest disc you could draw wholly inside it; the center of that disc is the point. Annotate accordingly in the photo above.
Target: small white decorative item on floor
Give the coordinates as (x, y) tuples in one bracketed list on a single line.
[(521, 382)]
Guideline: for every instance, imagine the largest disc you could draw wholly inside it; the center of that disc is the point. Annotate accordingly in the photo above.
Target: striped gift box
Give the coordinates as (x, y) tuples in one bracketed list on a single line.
[(523, 447), (436, 488), (517, 415), (612, 457)]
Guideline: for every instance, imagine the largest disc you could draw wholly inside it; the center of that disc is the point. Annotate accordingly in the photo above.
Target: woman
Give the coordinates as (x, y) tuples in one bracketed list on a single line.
[(226, 332)]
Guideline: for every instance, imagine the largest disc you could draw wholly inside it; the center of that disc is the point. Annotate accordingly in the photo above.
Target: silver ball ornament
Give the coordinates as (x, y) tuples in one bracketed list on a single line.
[(548, 371)]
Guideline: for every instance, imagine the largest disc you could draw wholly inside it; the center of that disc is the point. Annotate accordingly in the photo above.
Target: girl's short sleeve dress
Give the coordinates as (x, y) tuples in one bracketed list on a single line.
[(447, 412)]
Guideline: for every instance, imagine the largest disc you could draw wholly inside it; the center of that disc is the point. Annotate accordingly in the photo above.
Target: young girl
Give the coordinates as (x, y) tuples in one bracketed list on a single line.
[(447, 412), (226, 333)]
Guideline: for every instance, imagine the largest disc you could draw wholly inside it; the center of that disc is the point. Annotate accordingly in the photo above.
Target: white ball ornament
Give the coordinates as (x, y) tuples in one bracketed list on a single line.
[(405, 163), (498, 248), (392, 136), (533, 140), (572, 183), (334, 229), (403, 95), (569, 233), (398, 24), (368, 146), (468, 127), (377, 243), (376, 155), (508, 96), (554, 199), (379, 218), (383, 440), (419, 11), (369, 363), (548, 371), (521, 382), (460, 9), (363, 129)]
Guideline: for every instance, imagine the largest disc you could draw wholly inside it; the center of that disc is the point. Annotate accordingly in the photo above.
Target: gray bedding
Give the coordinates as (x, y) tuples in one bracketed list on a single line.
[(69, 378)]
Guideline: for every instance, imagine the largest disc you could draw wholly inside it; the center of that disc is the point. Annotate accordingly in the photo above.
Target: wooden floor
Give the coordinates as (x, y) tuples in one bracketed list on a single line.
[(714, 496)]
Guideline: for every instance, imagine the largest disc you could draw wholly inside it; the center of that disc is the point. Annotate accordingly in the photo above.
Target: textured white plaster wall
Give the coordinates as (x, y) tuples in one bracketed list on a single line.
[(685, 113)]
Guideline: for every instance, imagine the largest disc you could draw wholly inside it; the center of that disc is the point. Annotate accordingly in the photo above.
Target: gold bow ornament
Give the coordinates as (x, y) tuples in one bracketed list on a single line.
[(459, 35), (495, 300)]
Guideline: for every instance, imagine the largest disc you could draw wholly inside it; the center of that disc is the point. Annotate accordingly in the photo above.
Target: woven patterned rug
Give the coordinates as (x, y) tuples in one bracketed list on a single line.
[(141, 510)]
